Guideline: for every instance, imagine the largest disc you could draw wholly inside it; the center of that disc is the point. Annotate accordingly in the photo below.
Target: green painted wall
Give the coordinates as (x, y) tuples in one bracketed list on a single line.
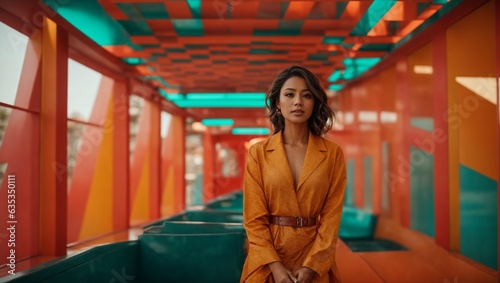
[(368, 181), (478, 217), (422, 191), (349, 188)]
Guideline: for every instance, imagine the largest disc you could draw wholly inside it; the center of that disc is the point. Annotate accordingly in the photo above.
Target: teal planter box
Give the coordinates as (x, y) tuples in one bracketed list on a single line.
[(357, 224)]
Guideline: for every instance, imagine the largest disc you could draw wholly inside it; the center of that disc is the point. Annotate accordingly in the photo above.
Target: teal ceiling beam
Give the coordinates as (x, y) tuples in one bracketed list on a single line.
[(217, 122), (219, 103), (335, 87), (373, 15), (224, 96), (250, 131)]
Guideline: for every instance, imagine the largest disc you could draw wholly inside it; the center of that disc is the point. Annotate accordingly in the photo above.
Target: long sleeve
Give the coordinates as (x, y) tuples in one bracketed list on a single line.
[(255, 215), (321, 257)]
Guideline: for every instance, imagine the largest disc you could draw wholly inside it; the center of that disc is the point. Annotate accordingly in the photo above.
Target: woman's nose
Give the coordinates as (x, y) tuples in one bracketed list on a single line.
[(298, 101)]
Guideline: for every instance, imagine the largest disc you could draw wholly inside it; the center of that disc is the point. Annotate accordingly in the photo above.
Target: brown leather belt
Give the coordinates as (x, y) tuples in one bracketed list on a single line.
[(292, 221)]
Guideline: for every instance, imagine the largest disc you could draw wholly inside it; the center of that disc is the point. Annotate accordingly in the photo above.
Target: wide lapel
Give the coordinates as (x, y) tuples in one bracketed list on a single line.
[(314, 156), (277, 155)]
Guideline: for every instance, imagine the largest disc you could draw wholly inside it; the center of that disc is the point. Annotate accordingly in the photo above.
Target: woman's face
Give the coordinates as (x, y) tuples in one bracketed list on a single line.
[(296, 101)]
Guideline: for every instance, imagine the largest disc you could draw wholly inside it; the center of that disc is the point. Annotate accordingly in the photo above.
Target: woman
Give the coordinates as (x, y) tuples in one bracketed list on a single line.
[(294, 187)]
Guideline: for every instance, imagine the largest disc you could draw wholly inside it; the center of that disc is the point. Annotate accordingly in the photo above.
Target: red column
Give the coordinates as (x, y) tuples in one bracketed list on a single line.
[(440, 142), (497, 22), (180, 181), (53, 139), (208, 166), (155, 160), (121, 141), (359, 190), (402, 104)]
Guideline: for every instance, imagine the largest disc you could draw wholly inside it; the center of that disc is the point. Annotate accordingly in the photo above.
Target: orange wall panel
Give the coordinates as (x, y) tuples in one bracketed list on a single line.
[(145, 176), (90, 161), (172, 168), (471, 124), (139, 213), (98, 217)]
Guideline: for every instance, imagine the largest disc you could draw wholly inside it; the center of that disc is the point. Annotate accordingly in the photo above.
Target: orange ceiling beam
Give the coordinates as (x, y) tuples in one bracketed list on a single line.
[(113, 10), (178, 9), (244, 9), (298, 10)]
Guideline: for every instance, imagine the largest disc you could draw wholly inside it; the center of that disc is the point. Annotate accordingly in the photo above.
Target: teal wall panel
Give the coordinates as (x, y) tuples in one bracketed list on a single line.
[(368, 181), (197, 191), (349, 188), (478, 217), (422, 191), (424, 123)]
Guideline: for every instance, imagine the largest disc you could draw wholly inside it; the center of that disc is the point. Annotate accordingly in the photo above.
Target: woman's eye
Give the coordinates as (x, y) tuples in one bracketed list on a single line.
[(307, 95), (288, 94)]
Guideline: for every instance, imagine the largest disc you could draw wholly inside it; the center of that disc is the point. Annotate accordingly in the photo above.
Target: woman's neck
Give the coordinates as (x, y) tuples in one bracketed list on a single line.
[(296, 135)]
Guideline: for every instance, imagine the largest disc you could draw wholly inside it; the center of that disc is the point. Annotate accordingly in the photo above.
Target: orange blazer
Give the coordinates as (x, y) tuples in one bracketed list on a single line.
[(268, 190)]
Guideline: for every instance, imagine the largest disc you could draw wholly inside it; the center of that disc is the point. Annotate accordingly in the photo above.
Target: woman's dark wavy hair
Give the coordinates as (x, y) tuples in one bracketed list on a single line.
[(321, 119)]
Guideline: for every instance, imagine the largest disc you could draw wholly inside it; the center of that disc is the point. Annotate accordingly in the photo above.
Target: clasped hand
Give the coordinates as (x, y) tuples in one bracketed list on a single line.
[(283, 275)]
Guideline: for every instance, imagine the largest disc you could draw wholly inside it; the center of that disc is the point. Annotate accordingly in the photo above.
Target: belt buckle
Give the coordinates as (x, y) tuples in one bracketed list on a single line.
[(299, 222)]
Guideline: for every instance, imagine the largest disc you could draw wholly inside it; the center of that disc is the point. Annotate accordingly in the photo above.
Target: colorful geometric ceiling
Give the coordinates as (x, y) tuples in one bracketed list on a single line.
[(238, 46)]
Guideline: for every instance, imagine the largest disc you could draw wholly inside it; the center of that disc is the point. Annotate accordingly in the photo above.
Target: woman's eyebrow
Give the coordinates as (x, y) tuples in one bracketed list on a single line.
[(289, 88)]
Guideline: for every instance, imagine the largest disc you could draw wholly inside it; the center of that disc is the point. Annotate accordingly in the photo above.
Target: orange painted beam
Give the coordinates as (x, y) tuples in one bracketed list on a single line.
[(298, 10), (397, 12), (154, 160), (248, 40), (178, 9), (364, 54), (53, 141), (410, 27), (215, 26), (144, 39), (440, 143), (124, 51), (380, 29), (244, 9), (318, 27), (213, 9), (372, 39), (355, 10), (162, 27), (336, 32), (429, 11)]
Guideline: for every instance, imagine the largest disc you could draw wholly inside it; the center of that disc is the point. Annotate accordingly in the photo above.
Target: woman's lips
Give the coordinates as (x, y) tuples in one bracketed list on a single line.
[(297, 112)]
